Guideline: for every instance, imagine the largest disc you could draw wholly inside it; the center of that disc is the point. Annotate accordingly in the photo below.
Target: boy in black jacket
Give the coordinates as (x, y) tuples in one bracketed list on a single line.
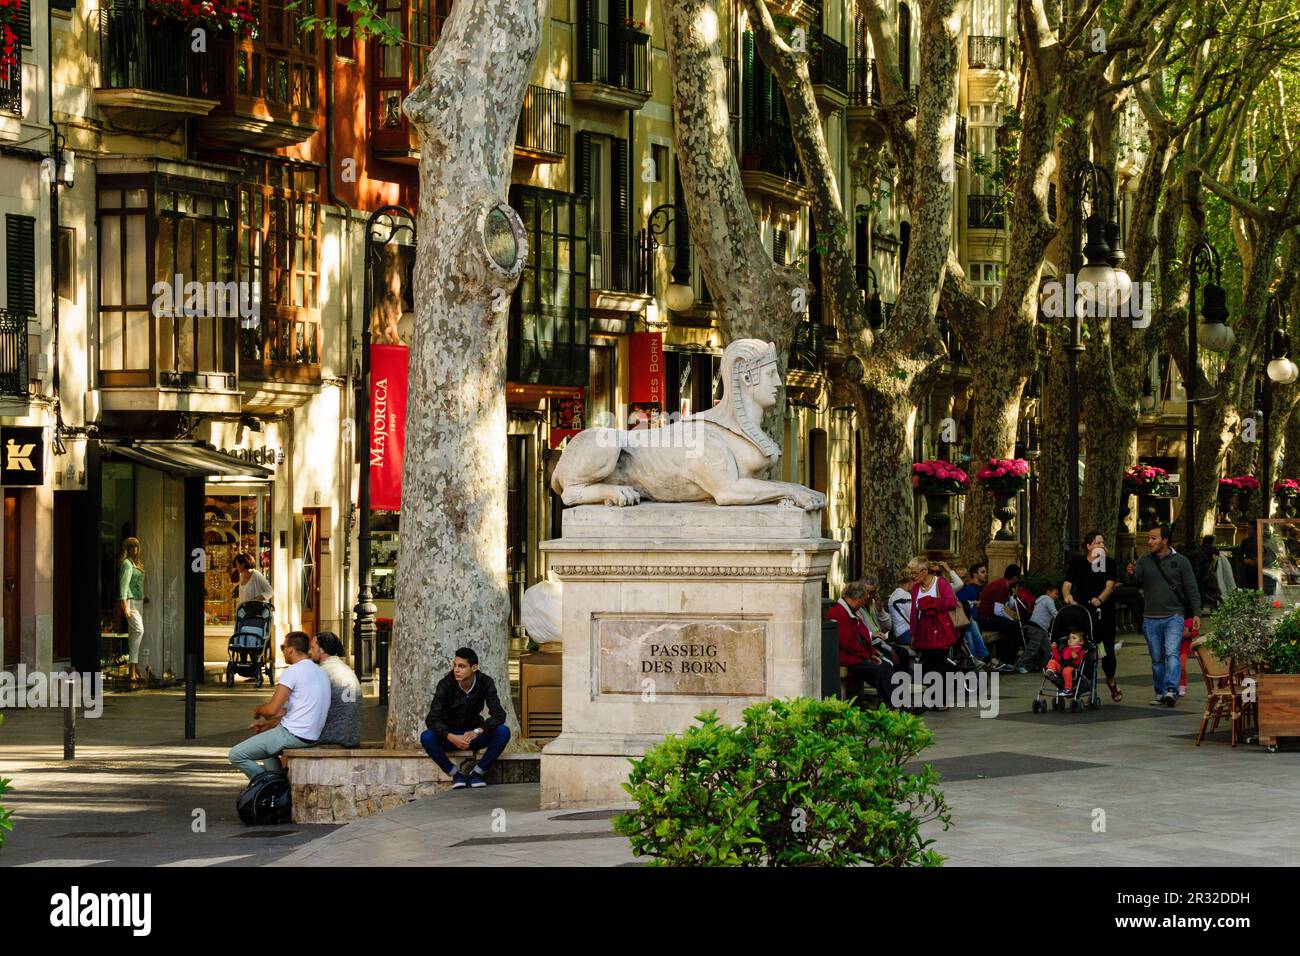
[(456, 721)]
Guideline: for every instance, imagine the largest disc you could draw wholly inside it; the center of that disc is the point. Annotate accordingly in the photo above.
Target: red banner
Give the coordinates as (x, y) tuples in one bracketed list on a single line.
[(388, 368), (647, 368)]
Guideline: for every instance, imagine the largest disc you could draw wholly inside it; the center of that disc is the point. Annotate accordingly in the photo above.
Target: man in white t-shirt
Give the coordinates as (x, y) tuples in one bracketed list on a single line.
[(294, 715)]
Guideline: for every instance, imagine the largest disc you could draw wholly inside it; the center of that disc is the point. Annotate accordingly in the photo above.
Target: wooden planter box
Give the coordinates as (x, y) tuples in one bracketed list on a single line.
[(1278, 698)]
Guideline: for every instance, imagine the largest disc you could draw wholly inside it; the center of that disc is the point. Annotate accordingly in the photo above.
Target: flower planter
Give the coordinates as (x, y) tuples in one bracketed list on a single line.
[(939, 520), (1278, 700), (1004, 509)]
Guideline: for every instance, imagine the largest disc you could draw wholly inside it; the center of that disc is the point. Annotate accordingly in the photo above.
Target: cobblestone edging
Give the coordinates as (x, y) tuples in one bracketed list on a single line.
[(337, 786)]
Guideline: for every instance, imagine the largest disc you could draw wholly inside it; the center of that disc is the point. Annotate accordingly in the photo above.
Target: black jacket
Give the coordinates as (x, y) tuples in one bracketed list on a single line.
[(454, 711)]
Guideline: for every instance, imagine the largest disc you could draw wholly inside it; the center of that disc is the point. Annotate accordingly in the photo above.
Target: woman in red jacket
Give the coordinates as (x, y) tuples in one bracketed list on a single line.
[(931, 620)]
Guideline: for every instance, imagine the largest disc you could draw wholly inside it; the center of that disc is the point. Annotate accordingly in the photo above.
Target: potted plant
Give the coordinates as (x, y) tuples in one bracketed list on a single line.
[(1003, 479), (1277, 685), (1244, 631), (1285, 491), (938, 481), (1238, 488), (1147, 481)]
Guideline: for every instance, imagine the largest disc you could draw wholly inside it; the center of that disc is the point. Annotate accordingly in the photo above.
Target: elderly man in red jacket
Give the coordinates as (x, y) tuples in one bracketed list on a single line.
[(857, 653)]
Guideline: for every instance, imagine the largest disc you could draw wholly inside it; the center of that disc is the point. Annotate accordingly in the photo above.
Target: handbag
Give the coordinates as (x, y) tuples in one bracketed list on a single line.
[(960, 619)]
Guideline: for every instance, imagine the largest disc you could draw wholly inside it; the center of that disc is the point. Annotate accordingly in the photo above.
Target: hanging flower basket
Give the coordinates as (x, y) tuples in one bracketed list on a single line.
[(236, 17), (10, 10), (1148, 480), (935, 477), (1004, 475)]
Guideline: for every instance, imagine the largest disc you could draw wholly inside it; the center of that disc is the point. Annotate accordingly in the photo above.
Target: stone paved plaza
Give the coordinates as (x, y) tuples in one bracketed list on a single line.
[(1025, 789)]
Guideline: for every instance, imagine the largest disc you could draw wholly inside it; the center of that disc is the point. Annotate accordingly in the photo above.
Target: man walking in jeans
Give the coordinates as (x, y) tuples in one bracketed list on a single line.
[(1169, 592), (456, 720)]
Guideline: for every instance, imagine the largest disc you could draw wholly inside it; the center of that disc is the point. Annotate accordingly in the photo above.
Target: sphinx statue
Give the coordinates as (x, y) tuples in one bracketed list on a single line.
[(719, 455)]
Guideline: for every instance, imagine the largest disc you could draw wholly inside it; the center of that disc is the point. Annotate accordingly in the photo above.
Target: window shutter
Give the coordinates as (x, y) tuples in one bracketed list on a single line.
[(586, 30), (621, 212), (25, 24), (778, 247), (20, 263), (582, 165)]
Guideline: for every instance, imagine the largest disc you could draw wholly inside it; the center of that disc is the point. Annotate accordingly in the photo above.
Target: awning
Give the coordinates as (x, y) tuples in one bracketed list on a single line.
[(189, 459)]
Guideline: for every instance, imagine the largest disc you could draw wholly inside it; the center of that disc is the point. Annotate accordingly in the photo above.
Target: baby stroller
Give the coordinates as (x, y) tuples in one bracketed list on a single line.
[(249, 651), (1072, 617)]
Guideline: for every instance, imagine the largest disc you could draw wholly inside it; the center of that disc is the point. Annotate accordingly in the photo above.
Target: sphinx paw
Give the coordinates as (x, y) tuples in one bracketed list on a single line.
[(621, 496)]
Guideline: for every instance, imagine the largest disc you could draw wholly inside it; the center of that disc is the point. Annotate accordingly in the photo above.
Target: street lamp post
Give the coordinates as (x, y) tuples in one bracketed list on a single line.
[(870, 286), (1214, 333), (679, 296), (1100, 288), (384, 226), (1282, 371)]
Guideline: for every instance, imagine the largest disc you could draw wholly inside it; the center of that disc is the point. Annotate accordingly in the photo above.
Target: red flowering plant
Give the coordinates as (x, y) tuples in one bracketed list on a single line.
[(9, 12), (238, 17), (1147, 480), (632, 23), (1239, 483), (1286, 488), (1004, 475), (935, 477)]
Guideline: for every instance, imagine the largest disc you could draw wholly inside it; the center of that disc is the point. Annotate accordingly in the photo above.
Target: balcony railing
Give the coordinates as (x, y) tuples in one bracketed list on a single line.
[(808, 347), (544, 122), (987, 53), (829, 64), (613, 267), (864, 84), (280, 349), (770, 149), (960, 138), (13, 353), (617, 57), (11, 86), (147, 56), (984, 211), (732, 68)]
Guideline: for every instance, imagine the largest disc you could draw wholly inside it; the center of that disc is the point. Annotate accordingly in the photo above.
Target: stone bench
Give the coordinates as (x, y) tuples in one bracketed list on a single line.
[(336, 785)]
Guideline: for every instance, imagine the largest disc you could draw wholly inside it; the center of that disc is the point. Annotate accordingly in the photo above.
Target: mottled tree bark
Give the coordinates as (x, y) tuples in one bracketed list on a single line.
[(451, 570)]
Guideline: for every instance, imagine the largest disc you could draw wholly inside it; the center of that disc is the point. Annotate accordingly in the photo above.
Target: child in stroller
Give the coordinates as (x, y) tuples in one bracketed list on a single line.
[(1071, 674)]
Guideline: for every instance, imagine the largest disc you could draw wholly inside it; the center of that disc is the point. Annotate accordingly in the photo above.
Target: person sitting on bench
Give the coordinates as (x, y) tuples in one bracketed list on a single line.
[(294, 715), (456, 721), (858, 654)]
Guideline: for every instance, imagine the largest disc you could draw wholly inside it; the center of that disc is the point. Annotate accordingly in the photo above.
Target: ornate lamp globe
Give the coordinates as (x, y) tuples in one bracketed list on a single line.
[(1283, 371), (1213, 331), (679, 297)]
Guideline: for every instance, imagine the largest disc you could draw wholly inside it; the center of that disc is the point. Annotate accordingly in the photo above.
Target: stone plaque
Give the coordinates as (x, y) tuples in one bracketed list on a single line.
[(713, 657)]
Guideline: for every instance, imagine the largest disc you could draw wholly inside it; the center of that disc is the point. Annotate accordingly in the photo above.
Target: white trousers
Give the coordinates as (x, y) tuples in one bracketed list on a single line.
[(135, 628)]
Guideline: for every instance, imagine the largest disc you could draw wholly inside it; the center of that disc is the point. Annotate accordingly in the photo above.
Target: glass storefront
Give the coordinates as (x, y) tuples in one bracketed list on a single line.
[(233, 522)]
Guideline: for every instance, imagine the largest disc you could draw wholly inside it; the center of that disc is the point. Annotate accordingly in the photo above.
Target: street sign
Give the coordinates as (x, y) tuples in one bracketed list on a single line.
[(22, 455)]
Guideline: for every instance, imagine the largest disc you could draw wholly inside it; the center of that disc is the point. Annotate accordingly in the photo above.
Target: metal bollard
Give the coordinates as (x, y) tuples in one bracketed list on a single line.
[(69, 719)]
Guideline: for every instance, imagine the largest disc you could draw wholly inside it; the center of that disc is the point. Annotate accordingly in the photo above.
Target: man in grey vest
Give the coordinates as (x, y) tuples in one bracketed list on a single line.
[(343, 723), (1170, 597)]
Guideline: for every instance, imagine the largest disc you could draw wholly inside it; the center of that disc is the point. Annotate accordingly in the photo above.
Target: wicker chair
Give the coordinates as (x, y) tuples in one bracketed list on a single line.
[(1223, 697)]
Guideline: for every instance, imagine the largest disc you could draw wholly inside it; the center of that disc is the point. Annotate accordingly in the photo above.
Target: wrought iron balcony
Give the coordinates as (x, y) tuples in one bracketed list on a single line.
[(984, 211), (543, 124), (11, 86), (808, 347), (613, 266), (13, 353), (280, 349), (613, 65), (137, 54), (829, 64), (986, 53), (863, 83)]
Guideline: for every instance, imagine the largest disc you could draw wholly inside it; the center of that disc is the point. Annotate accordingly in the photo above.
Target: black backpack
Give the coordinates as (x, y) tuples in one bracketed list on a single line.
[(265, 801)]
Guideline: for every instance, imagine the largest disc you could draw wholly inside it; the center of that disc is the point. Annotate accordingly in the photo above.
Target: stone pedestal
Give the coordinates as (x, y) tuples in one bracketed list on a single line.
[(1001, 553), (670, 610)]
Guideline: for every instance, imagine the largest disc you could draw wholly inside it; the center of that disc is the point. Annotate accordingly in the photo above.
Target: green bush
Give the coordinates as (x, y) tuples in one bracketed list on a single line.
[(5, 823), (800, 783), (1283, 655), (1241, 629)]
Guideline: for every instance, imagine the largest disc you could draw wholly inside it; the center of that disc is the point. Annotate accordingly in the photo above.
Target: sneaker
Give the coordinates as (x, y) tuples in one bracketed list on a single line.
[(1052, 676), (1022, 670), (458, 781), (477, 780), (1006, 669), (1158, 702), (1170, 698)]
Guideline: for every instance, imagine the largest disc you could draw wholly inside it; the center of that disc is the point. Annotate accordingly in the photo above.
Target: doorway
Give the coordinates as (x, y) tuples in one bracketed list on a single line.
[(310, 597), (12, 579)]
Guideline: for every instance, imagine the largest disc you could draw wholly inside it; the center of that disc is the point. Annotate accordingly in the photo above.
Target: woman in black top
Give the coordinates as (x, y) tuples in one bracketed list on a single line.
[(1095, 589)]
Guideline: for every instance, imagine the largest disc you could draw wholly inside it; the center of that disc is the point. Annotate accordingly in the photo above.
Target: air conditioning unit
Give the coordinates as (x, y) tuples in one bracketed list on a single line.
[(92, 406)]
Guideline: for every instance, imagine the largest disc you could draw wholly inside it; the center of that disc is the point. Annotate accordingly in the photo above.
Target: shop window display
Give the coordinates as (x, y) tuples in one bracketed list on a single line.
[(233, 523)]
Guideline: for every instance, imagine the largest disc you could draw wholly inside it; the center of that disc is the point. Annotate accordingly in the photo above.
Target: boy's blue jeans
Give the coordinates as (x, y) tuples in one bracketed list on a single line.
[(1164, 638), (975, 641), (494, 740)]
